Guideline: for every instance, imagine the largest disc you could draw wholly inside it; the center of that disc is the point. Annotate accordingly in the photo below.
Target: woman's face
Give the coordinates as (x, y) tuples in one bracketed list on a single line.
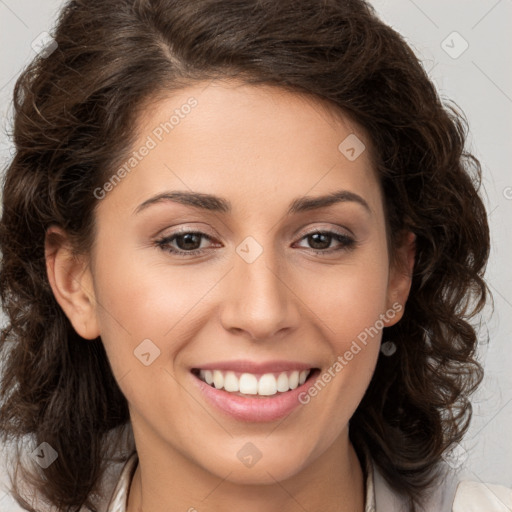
[(254, 291)]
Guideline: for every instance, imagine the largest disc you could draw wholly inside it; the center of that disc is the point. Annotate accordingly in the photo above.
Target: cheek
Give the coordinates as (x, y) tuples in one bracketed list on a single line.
[(352, 329), (349, 303), (141, 323), (146, 298), (348, 298), (148, 312)]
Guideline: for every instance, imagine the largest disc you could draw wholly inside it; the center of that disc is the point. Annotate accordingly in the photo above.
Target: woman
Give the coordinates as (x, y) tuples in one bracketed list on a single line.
[(247, 235)]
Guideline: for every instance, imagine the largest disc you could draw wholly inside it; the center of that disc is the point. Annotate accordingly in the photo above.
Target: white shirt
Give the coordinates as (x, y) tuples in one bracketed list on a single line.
[(452, 496)]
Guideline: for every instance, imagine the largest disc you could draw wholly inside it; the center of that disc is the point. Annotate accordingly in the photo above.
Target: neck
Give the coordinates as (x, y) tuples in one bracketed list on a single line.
[(172, 483)]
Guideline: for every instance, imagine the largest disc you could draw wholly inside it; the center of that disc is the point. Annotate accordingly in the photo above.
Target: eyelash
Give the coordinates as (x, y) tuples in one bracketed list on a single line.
[(163, 243)]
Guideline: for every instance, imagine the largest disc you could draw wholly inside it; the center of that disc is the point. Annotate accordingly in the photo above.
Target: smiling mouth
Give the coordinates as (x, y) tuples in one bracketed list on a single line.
[(255, 385)]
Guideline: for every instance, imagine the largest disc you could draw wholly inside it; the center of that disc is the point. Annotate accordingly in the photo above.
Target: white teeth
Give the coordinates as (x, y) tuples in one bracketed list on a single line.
[(282, 382), (248, 384), (218, 379), (267, 385), (231, 382), (293, 381), (208, 376)]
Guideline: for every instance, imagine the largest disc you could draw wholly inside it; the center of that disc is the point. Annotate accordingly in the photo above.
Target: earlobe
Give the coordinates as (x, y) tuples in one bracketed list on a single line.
[(400, 277), (71, 282)]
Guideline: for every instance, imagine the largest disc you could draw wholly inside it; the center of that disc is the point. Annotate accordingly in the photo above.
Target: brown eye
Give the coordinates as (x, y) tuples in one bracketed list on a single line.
[(320, 241), (187, 243)]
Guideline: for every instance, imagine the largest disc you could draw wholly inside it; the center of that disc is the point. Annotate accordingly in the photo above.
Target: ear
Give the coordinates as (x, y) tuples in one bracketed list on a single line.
[(71, 282), (400, 277)]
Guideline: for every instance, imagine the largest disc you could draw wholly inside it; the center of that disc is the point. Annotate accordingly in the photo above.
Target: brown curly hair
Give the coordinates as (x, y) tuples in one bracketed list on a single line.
[(74, 115)]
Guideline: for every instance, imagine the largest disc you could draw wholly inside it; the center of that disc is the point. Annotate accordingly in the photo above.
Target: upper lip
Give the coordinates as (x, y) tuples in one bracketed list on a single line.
[(253, 367)]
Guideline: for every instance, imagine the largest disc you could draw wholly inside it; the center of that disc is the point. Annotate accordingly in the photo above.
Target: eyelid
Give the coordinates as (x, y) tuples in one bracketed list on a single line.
[(184, 230), (336, 229)]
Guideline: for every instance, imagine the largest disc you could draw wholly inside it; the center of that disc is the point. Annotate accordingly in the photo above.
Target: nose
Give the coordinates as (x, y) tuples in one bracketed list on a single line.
[(259, 301)]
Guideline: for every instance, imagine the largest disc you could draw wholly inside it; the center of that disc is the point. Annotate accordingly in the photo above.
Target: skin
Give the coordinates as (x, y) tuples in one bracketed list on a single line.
[(259, 147)]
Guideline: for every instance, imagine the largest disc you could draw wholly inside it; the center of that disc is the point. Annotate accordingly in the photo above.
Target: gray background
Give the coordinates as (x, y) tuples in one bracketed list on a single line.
[(479, 80)]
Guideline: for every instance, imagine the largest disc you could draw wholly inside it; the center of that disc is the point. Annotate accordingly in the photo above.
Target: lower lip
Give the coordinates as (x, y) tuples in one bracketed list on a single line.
[(255, 409)]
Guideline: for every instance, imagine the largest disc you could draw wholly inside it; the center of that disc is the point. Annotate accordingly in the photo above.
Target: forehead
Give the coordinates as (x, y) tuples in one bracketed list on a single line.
[(249, 106), (252, 141)]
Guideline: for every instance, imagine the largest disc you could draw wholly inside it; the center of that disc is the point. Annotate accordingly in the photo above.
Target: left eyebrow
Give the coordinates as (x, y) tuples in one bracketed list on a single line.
[(218, 204), (306, 203)]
